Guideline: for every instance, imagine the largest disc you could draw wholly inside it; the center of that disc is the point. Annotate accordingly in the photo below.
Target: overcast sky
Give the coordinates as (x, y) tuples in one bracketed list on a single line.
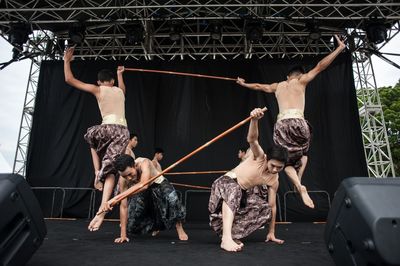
[(13, 80)]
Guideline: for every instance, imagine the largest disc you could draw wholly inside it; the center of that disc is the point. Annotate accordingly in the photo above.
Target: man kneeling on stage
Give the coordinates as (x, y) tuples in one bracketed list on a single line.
[(155, 207), (236, 209)]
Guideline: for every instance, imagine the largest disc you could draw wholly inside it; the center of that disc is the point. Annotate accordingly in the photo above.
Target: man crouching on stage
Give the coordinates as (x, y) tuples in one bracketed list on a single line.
[(154, 207), (236, 210)]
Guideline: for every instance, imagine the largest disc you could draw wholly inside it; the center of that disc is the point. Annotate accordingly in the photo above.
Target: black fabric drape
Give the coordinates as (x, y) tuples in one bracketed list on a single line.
[(181, 113)]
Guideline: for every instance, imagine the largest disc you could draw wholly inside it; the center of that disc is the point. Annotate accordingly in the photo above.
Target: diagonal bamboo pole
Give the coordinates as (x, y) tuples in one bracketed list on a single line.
[(112, 202)]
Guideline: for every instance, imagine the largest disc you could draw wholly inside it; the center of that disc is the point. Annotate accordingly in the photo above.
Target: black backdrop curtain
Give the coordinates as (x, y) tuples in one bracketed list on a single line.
[(181, 113)]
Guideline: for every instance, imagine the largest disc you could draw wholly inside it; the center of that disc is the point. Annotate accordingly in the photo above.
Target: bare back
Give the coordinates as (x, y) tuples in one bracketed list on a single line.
[(153, 171), (290, 94)]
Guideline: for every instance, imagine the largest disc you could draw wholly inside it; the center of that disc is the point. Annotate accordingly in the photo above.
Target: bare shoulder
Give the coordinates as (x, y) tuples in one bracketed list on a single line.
[(281, 84), (275, 182), (143, 160)]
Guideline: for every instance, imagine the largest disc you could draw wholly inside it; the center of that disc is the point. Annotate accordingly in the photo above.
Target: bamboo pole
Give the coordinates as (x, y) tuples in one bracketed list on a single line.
[(112, 202), (178, 73)]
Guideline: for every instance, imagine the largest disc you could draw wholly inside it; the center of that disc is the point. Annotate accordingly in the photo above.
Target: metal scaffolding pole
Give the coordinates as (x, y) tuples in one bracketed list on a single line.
[(373, 129), (36, 48), (20, 159)]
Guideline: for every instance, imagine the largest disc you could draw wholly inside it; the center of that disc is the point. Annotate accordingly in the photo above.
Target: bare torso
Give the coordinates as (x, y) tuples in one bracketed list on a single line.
[(290, 94), (153, 171), (252, 172)]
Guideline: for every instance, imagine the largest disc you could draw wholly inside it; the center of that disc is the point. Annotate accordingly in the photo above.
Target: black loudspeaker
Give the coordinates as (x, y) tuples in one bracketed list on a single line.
[(22, 228), (363, 225)]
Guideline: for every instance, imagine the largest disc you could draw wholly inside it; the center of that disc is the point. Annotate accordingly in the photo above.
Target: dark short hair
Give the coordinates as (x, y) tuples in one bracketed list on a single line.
[(278, 153), (123, 161), (296, 70), (132, 135), (105, 75), (158, 150)]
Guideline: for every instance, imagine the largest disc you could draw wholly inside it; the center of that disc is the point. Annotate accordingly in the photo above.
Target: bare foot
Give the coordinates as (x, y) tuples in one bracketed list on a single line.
[(154, 233), (98, 184), (96, 222), (306, 198), (237, 241), (181, 233), (230, 245)]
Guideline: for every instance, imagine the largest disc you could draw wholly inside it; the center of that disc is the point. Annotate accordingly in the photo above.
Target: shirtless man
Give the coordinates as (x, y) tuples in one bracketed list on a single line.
[(158, 155), (236, 210), (154, 207), (111, 137), (291, 130), (133, 142)]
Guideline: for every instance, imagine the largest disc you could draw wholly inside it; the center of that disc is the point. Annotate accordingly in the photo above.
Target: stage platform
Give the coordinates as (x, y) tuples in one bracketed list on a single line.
[(68, 242)]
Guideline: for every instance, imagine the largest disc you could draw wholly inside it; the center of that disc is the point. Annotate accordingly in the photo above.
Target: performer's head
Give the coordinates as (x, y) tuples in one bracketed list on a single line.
[(242, 153), (295, 72), (158, 154), (125, 165), (133, 140), (276, 159), (105, 77)]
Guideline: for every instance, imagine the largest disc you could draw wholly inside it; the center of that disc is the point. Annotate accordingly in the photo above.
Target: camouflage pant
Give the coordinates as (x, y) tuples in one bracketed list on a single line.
[(248, 218), (295, 135), (156, 208), (108, 140)]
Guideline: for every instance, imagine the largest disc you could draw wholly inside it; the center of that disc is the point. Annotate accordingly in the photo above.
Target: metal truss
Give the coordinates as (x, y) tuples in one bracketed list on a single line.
[(376, 144), (40, 43), (285, 34), (284, 23)]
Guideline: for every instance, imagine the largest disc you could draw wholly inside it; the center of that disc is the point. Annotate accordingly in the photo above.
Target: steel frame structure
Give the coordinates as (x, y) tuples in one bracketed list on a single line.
[(285, 33), (374, 133)]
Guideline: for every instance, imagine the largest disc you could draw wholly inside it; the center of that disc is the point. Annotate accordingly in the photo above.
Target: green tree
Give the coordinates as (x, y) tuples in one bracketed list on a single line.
[(390, 99)]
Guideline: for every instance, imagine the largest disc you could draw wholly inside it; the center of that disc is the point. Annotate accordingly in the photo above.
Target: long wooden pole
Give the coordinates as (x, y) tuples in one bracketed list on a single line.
[(112, 202), (189, 186), (178, 73), (198, 172)]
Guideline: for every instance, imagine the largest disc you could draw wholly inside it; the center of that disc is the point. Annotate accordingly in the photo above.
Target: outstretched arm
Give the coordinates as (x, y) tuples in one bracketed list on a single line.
[(123, 214), (121, 83), (252, 136), (324, 63), (272, 190), (270, 88), (71, 80)]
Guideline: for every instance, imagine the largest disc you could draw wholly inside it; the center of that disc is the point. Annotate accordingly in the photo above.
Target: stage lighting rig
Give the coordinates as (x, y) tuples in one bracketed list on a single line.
[(215, 30), (254, 31), (175, 30), (134, 33), (17, 36), (376, 31), (314, 31), (77, 32)]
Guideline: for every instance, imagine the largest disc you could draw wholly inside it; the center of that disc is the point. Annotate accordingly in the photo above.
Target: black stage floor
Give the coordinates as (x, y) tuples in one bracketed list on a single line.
[(70, 243)]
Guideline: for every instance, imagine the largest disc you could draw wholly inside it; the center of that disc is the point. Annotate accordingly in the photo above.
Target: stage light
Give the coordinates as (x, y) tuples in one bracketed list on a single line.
[(175, 30), (77, 32), (215, 31), (376, 32), (134, 33), (254, 31), (19, 34), (314, 32)]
